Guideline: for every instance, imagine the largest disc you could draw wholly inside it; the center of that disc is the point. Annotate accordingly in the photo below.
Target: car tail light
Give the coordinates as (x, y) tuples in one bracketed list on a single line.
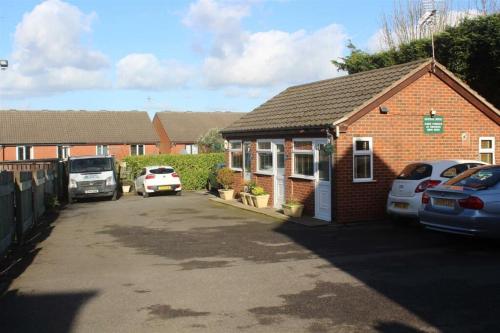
[(150, 187), (425, 198), (471, 203), (150, 177), (175, 175), (426, 184)]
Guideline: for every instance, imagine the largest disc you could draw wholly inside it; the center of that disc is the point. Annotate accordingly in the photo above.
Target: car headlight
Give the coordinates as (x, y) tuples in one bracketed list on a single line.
[(110, 181), (72, 183)]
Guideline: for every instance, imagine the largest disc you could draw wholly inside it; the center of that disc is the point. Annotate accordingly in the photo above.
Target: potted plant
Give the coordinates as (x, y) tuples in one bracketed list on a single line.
[(126, 185), (293, 208), (225, 177), (246, 197), (260, 197)]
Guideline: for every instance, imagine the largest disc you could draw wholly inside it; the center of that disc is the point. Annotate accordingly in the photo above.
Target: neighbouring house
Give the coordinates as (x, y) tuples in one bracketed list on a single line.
[(179, 131), (336, 145), (26, 135)]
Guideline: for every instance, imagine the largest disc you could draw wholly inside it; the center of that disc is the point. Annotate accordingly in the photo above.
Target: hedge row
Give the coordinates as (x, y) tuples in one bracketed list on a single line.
[(193, 169)]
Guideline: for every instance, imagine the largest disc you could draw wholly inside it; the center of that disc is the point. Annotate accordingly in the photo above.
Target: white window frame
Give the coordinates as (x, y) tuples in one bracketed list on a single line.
[(32, 152), (270, 150), (487, 150), (231, 150), (98, 151), (300, 151), (63, 146), (137, 148), (362, 153)]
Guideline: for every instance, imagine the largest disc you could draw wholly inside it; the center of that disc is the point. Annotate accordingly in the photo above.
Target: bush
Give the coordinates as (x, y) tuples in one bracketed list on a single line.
[(225, 177), (193, 169)]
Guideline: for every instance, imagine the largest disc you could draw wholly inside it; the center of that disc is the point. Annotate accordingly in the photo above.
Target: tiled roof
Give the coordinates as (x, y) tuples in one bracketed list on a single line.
[(323, 102), (189, 126), (73, 127)]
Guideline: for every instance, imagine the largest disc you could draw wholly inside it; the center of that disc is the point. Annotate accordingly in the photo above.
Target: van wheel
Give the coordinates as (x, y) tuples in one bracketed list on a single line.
[(70, 199), (145, 194), (114, 196)]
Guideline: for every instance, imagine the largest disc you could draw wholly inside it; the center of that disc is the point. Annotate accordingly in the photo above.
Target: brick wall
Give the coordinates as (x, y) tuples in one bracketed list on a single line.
[(165, 144), (398, 139)]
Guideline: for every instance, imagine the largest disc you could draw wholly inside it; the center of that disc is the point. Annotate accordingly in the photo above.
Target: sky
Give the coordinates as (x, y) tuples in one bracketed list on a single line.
[(152, 55)]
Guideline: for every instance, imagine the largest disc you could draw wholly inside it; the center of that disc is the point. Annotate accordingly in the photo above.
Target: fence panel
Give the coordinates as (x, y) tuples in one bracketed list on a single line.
[(50, 186), (7, 217), (38, 193), (24, 204)]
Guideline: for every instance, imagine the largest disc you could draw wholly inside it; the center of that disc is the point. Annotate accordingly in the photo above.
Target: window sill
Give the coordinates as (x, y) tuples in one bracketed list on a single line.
[(261, 173), (237, 169), (364, 181), (302, 177)]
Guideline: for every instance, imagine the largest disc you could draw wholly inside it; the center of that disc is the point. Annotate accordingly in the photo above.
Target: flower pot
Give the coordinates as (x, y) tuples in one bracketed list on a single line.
[(250, 199), (260, 201), (226, 194), (294, 210), (244, 199), (126, 188)]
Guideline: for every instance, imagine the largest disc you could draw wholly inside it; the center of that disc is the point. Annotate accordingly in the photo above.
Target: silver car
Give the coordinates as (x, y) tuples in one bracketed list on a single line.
[(468, 204)]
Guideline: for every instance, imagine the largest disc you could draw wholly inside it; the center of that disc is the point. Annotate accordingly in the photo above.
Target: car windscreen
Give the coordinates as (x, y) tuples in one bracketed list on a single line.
[(477, 179), (90, 165), (161, 171), (416, 171)]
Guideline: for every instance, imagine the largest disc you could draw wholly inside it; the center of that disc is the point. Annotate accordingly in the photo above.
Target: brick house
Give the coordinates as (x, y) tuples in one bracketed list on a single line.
[(28, 135), (179, 131), (336, 145)]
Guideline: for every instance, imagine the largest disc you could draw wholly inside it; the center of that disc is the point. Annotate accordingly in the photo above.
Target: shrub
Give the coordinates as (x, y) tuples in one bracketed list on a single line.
[(193, 169), (258, 190), (225, 177)]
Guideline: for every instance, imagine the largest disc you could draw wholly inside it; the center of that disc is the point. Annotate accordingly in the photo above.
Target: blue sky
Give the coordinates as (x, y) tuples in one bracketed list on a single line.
[(199, 55)]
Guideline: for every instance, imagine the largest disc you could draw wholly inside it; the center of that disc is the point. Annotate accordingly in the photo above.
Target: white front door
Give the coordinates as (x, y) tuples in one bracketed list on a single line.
[(323, 192), (278, 147)]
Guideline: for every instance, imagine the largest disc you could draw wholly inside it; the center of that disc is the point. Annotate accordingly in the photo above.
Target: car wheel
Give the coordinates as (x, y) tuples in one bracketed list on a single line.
[(145, 194), (114, 196), (178, 193)]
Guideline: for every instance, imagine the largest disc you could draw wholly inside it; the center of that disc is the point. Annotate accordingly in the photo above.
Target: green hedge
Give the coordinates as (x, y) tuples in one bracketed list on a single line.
[(193, 169)]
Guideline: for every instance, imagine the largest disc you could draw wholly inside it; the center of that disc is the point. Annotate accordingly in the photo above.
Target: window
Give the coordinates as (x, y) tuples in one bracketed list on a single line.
[(191, 149), (102, 150), (24, 153), (303, 158), (136, 149), (235, 155), (264, 157), (416, 171), (458, 169), (62, 152), (362, 159), (487, 149)]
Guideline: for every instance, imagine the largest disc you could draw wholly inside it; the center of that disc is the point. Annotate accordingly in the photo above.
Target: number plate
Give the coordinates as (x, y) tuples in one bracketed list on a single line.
[(444, 202), (91, 191), (402, 205), (164, 188)]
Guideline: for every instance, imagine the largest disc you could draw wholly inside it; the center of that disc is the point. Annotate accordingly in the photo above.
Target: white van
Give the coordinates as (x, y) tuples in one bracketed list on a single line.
[(91, 176)]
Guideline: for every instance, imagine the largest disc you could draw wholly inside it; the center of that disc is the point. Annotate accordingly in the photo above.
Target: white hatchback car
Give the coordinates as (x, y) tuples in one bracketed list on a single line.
[(405, 196), (156, 179)]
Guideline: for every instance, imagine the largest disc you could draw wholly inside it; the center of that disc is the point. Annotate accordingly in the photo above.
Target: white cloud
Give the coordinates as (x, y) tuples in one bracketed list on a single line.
[(146, 71), (259, 59), (49, 54)]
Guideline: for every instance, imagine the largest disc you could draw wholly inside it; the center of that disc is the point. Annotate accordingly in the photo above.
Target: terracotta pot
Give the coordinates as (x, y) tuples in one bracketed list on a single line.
[(260, 201), (293, 210), (226, 194)]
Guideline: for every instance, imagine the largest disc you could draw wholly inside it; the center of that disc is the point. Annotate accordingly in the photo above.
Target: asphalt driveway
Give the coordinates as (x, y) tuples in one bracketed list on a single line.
[(185, 264)]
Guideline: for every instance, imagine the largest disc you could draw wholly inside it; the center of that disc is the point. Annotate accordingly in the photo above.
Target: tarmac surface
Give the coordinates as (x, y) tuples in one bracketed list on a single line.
[(187, 264)]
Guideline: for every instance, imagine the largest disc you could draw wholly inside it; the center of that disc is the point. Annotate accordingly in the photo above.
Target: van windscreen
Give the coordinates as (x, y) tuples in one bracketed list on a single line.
[(161, 171), (90, 165), (416, 171)]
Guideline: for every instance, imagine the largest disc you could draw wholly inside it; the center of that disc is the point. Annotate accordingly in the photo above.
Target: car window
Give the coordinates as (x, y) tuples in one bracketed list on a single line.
[(161, 171), (416, 171), (454, 170), (478, 179)]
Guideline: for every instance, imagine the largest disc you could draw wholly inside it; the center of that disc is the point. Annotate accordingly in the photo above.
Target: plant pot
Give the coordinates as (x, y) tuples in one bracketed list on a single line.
[(260, 201), (250, 199), (293, 210), (244, 199), (226, 194), (126, 188)]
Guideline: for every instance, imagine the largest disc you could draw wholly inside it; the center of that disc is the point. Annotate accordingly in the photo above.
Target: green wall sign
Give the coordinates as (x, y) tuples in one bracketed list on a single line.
[(433, 125)]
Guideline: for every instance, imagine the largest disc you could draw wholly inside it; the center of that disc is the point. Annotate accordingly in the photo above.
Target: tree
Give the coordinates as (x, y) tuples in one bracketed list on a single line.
[(471, 50), (211, 142)]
